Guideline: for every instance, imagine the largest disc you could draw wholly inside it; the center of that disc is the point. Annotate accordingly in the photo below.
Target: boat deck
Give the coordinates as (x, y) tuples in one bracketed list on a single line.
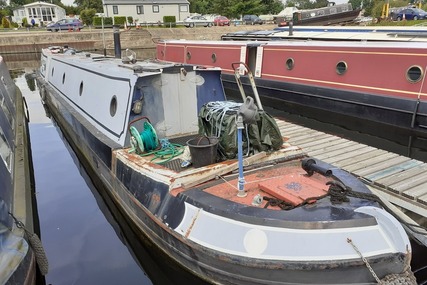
[(401, 179)]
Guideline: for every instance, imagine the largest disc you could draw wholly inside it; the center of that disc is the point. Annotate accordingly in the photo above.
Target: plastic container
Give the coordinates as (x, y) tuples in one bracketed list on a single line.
[(203, 150)]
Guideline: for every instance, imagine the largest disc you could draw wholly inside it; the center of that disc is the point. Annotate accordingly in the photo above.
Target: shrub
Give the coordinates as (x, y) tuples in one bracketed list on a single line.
[(119, 20), (87, 15), (24, 22), (97, 21), (169, 21), (5, 23)]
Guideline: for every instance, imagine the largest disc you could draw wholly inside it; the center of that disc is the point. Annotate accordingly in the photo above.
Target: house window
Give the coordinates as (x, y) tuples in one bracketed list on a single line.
[(115, 10), (183, 8), (140, 9), (155, 8)]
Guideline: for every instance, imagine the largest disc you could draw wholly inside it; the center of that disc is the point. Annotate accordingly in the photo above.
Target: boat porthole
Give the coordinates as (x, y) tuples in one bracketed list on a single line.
[(290, 63), (414, 74), (188, 55), (213, 58), (53, 70), (341, 67), (81, 88), (63, 78), (113, 106)]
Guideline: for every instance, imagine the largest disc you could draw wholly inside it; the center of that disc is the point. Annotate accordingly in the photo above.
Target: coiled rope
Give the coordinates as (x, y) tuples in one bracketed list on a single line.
[(218, 109)]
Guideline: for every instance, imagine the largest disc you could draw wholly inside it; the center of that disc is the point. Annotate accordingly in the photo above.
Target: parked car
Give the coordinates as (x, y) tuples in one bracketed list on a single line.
[(65, 24), (193, 21), (221, 21), (252, 20), (411, 14)]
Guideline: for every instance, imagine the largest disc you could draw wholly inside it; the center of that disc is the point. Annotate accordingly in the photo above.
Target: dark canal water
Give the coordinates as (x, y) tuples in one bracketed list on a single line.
[(80, 228), (83, 242)]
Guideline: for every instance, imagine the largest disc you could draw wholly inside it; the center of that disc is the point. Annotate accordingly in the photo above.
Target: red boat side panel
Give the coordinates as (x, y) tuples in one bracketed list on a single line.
[(318, 66), (172, 52), (219, 56)]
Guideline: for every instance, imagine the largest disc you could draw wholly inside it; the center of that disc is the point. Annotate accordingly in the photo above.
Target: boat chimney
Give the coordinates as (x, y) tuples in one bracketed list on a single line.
[(117, 47), (291, 28)]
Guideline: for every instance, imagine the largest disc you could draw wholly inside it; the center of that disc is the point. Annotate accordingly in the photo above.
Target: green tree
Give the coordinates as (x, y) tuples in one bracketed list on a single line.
[(88, 4), (356, 4), (272, 6), (87, 15), (5, 23)]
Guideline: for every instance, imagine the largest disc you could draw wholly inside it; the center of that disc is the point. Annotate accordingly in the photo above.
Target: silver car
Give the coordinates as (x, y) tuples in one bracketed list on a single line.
[(193, 21)]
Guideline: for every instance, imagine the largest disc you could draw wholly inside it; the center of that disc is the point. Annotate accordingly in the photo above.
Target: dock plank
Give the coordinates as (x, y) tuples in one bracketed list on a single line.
[(415, 192), (351, 154), (332, 146), (331, 154), (395, 169), (382, 165), (356, 159), (409, 183), (412, 172), (367, 163)]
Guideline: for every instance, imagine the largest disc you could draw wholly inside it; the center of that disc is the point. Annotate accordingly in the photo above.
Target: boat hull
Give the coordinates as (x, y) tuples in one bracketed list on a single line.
[(330, 82), (16, 187), (173, 221)]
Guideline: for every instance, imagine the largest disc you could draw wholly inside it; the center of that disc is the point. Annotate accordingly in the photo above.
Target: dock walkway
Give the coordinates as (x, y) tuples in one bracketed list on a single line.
[(402, 180)]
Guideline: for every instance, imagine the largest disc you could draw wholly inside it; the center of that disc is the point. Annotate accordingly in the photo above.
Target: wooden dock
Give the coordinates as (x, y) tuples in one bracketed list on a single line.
[(402, 180)]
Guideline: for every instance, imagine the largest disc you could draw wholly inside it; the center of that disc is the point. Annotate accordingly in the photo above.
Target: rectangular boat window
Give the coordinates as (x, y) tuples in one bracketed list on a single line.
[(115, 10), (155, 8), (140, 9), (6, 110), (5, 151)]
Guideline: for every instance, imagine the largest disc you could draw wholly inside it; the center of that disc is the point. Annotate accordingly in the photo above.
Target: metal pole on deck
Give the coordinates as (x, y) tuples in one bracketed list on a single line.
[(117, 46), (241, 181), (103, 35)]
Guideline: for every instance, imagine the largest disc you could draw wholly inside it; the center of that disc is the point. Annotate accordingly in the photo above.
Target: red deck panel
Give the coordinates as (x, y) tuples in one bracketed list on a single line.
[(293, 188)]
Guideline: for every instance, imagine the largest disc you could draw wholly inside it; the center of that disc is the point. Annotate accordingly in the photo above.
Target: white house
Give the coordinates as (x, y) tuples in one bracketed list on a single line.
[(147, 11), (42, 12)]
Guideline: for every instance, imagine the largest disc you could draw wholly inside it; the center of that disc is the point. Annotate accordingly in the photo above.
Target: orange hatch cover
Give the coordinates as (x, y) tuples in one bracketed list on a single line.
[(294, 188)]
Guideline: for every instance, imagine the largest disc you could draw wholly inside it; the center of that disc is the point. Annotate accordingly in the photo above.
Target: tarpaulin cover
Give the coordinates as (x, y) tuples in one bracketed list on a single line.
[(219, 119)]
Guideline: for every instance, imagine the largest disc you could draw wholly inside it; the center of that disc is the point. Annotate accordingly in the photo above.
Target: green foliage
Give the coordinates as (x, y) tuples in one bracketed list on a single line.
[(398, 3), (97, 21), (356, 4), (24, 22), (119, 20), (87, 15), (88, 4), (129, 19), (5, 23), (368, 5), (72, 10), (236, 8), (169, 21), (377, 10)]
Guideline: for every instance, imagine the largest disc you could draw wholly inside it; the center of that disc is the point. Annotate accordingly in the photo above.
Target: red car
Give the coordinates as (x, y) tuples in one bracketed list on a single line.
[(221, 21)]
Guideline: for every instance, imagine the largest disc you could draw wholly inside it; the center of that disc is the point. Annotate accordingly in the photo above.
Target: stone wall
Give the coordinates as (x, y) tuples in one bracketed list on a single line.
[(142, 41)]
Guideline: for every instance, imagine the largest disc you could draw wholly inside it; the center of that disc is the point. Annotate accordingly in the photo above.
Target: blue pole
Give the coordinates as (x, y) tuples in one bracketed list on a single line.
[(241, 182)]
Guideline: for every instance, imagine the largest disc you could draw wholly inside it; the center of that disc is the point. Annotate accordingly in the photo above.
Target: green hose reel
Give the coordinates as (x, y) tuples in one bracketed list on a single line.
[(145, 141)]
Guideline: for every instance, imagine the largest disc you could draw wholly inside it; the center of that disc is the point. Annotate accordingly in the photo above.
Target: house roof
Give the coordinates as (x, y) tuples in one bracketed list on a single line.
[(39, 3), (144, 2)]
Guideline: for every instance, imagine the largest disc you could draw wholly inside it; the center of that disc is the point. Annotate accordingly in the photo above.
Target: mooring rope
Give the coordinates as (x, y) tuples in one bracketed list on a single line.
[(37, 246)]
